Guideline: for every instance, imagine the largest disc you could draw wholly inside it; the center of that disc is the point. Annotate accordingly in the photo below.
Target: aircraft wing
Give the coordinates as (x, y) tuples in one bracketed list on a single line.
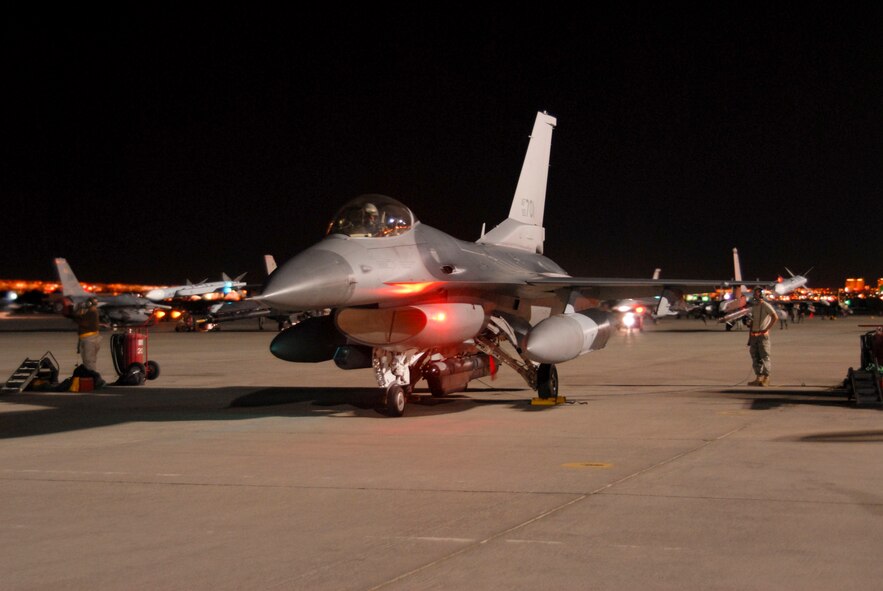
[(618, 287), (596, 288), (578, 282), (603, 288)]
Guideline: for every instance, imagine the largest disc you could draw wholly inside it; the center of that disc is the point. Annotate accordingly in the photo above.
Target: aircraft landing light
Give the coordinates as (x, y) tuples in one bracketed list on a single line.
[(602, 465), (537, 401)]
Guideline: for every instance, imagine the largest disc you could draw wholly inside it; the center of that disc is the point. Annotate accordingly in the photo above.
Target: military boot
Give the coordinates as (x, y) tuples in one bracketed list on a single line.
[(764, 380), (756, 381)]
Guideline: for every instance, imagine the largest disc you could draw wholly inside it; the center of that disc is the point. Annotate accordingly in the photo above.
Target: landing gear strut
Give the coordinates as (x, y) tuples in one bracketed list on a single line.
[(543, 377), (393, 371)]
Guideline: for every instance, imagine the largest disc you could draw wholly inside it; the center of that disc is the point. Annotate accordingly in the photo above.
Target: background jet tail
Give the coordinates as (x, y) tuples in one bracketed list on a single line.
[(269, 263), (70, 286), (523, 229), (737, 267)]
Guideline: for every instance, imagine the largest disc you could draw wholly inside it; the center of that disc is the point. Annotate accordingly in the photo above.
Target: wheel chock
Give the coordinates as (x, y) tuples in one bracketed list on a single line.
[(537, 401)]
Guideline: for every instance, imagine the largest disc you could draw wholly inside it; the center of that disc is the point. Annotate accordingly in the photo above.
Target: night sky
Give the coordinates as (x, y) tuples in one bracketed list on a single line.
[(179, 146)]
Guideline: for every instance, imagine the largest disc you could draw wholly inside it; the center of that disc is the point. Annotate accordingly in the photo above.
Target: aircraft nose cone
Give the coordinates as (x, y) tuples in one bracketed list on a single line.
[(312, 280)]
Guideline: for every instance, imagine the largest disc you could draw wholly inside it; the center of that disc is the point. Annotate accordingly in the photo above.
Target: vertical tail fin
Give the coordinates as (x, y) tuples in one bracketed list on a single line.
[(70, 286), (738, 296), (737, 267), (523, 229), (530, 193), (269, 263)]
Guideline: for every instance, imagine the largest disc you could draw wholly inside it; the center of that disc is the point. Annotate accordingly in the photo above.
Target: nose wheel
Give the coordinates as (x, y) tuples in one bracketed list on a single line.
[(395, 400)]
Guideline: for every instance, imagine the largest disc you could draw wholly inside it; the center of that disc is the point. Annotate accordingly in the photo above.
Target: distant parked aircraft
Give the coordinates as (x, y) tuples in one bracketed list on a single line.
[(115, 310), (226, 285)]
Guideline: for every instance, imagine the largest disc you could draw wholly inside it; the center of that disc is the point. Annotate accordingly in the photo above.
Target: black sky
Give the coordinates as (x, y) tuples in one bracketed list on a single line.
[(156, 147)]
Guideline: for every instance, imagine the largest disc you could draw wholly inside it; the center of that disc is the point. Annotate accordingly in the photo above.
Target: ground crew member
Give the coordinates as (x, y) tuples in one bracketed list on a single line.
[(763, 317), (88, 339)]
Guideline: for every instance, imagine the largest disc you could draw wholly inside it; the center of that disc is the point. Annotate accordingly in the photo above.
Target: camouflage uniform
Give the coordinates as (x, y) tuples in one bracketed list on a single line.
[(763, 317)]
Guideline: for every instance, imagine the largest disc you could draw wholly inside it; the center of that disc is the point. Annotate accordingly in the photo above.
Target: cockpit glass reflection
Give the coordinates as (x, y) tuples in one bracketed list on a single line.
[(372, 216)]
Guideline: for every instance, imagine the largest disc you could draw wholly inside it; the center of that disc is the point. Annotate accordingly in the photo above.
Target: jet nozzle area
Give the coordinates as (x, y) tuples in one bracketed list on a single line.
[(315, 279)]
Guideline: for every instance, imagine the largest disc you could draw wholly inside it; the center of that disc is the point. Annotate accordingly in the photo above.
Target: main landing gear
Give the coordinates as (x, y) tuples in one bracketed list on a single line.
[(547, 381), (397, 372), (543, 377)]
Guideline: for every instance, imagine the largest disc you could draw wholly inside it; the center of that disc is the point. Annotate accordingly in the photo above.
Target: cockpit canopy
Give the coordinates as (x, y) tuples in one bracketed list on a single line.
[(372, 216)]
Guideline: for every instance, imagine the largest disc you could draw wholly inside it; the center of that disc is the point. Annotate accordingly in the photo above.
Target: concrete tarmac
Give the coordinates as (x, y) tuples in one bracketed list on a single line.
[(235, 470)]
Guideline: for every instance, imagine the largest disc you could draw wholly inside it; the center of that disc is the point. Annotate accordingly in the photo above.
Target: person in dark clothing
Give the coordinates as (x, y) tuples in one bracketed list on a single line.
[(88, 337)]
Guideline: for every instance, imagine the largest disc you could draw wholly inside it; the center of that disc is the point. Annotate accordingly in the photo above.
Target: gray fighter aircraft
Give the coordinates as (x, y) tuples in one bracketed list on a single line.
[(253, 308), (115, 310), (225, 286), (738, 306), (410, 301)]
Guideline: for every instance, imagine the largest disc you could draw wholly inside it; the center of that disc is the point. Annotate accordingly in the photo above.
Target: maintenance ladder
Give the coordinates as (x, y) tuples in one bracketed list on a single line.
[(44, 368), (866, 385)]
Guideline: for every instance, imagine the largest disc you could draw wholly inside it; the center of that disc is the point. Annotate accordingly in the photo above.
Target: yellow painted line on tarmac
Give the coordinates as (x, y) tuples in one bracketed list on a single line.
[(579, 465)]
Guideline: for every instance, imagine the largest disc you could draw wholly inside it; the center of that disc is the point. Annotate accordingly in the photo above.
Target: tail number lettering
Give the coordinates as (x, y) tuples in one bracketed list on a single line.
[(527, 208)]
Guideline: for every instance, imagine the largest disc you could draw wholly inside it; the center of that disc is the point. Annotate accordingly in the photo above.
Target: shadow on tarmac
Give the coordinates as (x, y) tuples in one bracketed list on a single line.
[(843, 437), (779, 397), (369, 399), (56, 412)]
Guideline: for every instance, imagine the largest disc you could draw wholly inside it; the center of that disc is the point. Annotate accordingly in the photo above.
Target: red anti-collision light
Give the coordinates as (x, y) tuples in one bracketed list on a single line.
[(410, 288)]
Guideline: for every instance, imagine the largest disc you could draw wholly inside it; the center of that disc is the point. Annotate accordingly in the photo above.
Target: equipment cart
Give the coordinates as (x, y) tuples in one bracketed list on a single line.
[(129, 352)]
